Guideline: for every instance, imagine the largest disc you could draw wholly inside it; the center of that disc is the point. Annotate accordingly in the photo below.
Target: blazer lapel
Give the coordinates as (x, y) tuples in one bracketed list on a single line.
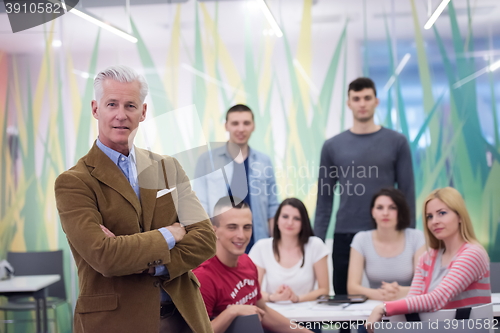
[(107, 172), (147, 171)]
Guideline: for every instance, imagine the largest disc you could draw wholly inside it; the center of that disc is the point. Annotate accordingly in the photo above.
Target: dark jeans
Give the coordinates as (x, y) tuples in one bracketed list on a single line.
[(171, 320), (340, 256)]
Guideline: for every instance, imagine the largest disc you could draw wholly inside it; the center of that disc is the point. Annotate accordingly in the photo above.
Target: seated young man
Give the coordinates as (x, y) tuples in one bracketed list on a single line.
[(229, 281)]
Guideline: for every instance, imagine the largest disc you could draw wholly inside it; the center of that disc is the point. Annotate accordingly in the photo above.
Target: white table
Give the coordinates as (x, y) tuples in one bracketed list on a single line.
[(35, 286), (311, 311)]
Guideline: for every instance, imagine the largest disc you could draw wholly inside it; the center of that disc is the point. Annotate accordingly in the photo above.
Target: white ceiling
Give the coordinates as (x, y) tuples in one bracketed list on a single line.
[(154, 22)]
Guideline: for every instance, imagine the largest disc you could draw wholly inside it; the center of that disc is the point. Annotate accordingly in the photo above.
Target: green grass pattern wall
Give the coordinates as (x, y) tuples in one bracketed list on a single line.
[(457, 153)]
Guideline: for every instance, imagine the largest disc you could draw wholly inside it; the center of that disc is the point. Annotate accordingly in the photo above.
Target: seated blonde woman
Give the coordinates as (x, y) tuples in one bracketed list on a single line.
[(294, 259), (387, 254), (454, 272)]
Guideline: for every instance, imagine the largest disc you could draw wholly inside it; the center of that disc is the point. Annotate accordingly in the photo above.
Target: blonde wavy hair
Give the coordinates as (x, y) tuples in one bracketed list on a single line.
[(453, 199)]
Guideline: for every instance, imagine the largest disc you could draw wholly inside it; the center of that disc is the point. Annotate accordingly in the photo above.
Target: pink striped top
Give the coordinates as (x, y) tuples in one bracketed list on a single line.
[(467, 283)]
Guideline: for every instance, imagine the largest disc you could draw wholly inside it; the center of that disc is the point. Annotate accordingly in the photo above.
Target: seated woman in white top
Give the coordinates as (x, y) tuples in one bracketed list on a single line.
[(389, 253), (293, 255)]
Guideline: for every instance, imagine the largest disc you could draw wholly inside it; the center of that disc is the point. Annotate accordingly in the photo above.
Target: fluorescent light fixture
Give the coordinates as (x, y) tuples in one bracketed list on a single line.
[(56, 43), (398, 70), (403, 63), (435, 15), (494, 66), (270, 18), (84, 75), (92, 19), (304, 75), (471, 77)]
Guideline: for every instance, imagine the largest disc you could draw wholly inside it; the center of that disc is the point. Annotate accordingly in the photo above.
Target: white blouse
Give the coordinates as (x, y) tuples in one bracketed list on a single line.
[(300, 279)]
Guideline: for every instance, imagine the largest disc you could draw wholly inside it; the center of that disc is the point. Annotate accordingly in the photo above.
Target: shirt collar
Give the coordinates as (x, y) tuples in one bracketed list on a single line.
[(132, 154), (225, 151), (113, 154)]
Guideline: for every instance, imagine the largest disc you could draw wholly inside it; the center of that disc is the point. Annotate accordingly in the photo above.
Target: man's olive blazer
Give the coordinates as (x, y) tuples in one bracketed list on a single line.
[(113, 297)]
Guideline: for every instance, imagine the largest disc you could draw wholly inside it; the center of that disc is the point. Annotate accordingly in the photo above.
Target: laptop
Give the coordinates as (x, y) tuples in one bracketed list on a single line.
[(340, 299)]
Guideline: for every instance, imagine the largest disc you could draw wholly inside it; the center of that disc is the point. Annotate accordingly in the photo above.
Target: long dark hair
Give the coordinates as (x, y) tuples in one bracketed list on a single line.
[(305, 230), (400, 201)]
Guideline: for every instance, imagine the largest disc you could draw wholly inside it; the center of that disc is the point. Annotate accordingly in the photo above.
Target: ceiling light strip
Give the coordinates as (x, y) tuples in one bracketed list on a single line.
[(270, 18), (92, 19), (398, 71), (435, 15), (494, 66), (471, 77), (304, 75)]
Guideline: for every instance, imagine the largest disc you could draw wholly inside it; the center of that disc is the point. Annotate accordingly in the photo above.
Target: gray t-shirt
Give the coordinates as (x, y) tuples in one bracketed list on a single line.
[(398, 268), (362, 164), (438, 272)]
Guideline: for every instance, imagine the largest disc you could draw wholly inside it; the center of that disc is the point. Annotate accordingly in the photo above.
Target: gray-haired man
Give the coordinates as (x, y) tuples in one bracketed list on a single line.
[(120, 207)]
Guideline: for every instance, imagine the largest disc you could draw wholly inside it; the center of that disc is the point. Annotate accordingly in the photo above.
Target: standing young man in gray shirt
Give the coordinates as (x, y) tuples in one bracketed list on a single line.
[(359, 162)]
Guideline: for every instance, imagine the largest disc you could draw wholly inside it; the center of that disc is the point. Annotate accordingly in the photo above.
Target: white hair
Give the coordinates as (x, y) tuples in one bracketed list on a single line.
[(123, 74)]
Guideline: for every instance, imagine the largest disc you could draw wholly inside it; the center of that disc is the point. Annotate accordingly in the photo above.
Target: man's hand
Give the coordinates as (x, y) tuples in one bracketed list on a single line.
[(108, 233), (177, 230), (246, 310)]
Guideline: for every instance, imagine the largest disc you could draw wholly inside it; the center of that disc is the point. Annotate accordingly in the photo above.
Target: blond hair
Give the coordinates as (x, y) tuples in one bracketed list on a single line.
[(451, 198)]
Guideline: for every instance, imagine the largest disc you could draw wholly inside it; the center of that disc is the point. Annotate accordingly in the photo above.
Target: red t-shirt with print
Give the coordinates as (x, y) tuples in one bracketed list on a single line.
[(222, 286)]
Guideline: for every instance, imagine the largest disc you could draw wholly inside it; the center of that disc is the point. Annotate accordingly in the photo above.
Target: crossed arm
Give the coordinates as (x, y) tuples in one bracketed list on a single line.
[(81, 219)]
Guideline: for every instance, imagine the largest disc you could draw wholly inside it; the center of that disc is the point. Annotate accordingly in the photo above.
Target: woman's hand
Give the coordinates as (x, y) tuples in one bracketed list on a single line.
[(390, 287), (375, 316), (390, 291), (283, 293), (293, 297), (379, 294)]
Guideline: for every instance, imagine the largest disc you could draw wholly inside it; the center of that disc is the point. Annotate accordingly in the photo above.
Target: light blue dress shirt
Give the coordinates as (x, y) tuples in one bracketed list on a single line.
[(127, 164)]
